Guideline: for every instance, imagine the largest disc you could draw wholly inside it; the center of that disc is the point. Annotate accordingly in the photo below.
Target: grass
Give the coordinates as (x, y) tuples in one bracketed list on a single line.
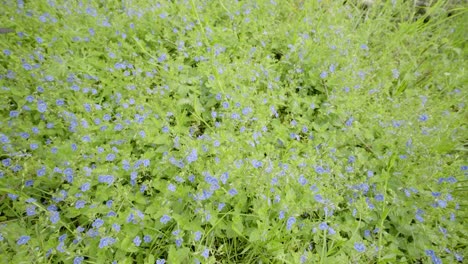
[(232, 132)]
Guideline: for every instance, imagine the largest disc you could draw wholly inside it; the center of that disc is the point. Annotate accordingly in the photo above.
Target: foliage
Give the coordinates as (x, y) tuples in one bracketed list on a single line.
[(232, 132)]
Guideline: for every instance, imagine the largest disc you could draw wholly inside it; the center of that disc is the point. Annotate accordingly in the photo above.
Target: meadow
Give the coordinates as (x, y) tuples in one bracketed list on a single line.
[(225, 131)]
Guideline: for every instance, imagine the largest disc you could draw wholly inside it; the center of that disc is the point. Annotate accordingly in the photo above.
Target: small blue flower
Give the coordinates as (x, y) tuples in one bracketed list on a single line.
[(41, 106), (395, 73), (116, 227), (31, 210), (54, 217), (302, 180), (349, 122), (137, 241), (110, 157), (98, 223), (78, 260), (106, 242), (109, 179), (423, 117), (192, 156), (85, 187), (164, 219), (379, 197), (160, 261), (147, 239), (23, 240), (41, 172), (80, 204), (206, 253), (233, 192), (323, 226), (290, 222), (359, 247), (171, 187)]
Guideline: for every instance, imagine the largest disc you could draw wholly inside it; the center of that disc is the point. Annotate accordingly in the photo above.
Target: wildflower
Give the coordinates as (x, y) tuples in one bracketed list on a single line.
[(109, 179), (423, 117), (98, 223), (31, 210), (147, 239), (359, 247), (41, 106), (85, 187), (164, 219), (290, 222), (379, 197), (137, 241), (160, 261), (179, 242), (54, 217), (395, 73), (78, 260), (302, 180), (205, 253), (349, 122), (80, 204), (116, 227), (106, 241), (110, 157), (23, 240), (434, 258), (323, 226), (192, 156), (233, 192)]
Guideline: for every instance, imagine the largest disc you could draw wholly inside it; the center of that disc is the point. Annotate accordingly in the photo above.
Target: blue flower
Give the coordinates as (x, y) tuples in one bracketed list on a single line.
[(137, 241), (31, 210), (323, 226), (379, 197), (78, 260), (80, 204), (110, 157), (98, 223), (179, 242), (224, 177), (109, 179), (423, 117), (434, 258), (302, 180), (160, 261), (68, 174), (171, 187), (198, 235), (147, 239), (164, 219), (85, 187), (290, 222), (106, 241), (41, 172), (395, 73), (205, 253), (23, 240), (116, 227), (359, 247), (41, 106), (192, 156), (349, 122), (54, 217), (233, 192)]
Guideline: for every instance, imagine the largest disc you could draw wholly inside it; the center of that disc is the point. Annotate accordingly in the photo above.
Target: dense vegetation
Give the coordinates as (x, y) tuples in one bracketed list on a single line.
[(206, 131)]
